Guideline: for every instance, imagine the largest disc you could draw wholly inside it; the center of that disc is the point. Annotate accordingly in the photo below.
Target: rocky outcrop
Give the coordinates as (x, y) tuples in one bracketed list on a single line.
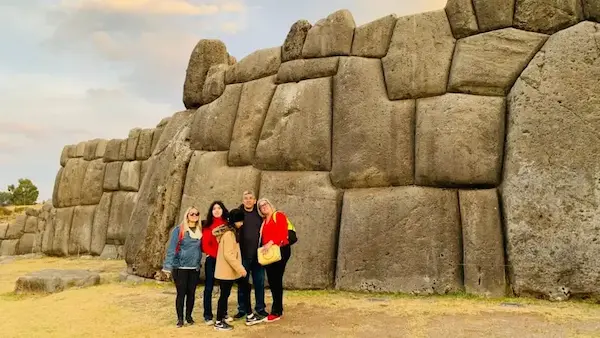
[(330, 36), (52, 281), (294, 41), (205, 54)]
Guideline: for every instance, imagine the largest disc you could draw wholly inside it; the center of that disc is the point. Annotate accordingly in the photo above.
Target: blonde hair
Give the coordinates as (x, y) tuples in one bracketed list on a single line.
[(185, 221), (266, 201)]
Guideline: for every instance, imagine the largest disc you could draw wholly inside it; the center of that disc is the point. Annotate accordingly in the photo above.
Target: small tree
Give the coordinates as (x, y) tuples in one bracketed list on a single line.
[(25, 193), (5, 198)]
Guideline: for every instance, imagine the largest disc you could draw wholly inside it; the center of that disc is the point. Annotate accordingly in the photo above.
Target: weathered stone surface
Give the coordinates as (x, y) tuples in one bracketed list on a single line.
[(209, 179), (205, 54), (591, 9), (80, 149), (159, 199), (298, 70), (31, 224), (70, 187), (494, 14), (261, 63), (299, 114), (8, 247), (254, 102), (313, 204), (52, 280), (55, 193), (48, 234), (175, 125), (62, 229), (144, 169), (294, 41), (214, 86), (330, 36), (16, 228), (552, 169), (132, 142), (112, 175), (100, 148), (113, 147), (232, 60), (3, 229), (144, 146), (547, 16), (100, 224), (123, 150), (462, 18), (411, 244), (157, 134), (418, 60), (112, 252), (25, 245), (375, 148), (80, 237), (489, 63), (373, 39), (459, 140), (32, 212), (130, 176), (64, 156), (92, 183), (89, 153), (121, 208), (37, 241), (483, 243), (213, 123)]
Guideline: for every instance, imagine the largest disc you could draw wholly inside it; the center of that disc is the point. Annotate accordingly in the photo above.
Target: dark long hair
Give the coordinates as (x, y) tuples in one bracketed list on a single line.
[(209, 215)]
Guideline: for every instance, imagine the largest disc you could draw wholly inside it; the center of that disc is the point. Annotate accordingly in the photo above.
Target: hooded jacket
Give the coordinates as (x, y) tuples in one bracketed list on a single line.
[(229, 258)]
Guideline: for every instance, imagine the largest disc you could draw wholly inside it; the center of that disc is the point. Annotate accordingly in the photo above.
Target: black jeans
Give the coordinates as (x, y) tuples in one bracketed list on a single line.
[(258, 279), (225, 286), (186, 281), (275, 273), (209, 268)]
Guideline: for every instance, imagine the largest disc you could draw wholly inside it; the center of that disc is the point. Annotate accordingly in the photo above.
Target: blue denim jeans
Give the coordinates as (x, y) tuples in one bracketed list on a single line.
[(209, 268), (258, 279)]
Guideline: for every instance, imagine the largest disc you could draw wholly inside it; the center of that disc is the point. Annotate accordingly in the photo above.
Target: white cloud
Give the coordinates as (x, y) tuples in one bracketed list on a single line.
[(160, 7)]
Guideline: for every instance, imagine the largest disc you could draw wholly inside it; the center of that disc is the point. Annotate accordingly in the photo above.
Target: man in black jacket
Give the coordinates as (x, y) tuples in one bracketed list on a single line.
[(249, 237)]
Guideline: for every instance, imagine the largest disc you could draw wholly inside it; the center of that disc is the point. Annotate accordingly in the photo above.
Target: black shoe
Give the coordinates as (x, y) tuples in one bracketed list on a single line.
[(239, 315), (190, 320), (180, 323), (253, 319), (263, 313), (223, 326)]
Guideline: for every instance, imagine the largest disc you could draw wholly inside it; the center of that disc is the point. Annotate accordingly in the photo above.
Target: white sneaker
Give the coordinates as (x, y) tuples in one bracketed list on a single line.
[(209, 322), (228, 319)]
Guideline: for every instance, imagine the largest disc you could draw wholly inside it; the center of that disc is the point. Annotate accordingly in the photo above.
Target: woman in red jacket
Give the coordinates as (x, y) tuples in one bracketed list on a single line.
[(275, 232)]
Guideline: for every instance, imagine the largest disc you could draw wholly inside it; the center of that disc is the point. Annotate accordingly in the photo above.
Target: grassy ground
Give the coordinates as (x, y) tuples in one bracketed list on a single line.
[(8, 214), (116, 309)]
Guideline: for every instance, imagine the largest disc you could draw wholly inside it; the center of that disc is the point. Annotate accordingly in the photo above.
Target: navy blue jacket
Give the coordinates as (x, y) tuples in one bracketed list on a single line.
[(189, 255)]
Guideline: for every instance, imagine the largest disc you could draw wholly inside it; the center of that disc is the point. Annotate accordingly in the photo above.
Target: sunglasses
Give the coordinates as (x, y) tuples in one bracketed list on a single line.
[(194, 214)]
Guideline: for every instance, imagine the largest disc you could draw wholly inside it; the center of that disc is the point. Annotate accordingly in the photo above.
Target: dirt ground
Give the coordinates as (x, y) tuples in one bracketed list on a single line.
[(115, 309)]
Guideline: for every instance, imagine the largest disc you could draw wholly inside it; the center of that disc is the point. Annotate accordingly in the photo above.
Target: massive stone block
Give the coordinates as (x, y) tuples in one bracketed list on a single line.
[(132, 142), (80, 149), (26, 243), (330, 36), (261, 63), (462, 18), (313, 204), (144, 146), (112, 175), (591, 9), (298, 70), (129, 179), (31, 224), (214, 85), (205, 54), (80, 236), (101, 148), (552, 169), (89, 154), (294, 41), (209, 179), (373, 39), (8, 247), (254, 102), (213, 123), (418, 60), (483, 243), (100, 224), (113, 148), (121, 208), (93, 182), (62, 229), (48, 233), (3, 229), (411, 244), (16, 228), (489, 63), (459, 140), (373, 137), (547, 16), (494, 14), (296, 134), (159, 198), (66, 153), (57, 180), (69, 191)]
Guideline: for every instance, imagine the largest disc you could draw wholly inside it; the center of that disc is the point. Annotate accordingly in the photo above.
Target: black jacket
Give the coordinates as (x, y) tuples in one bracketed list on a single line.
[(250, 232)]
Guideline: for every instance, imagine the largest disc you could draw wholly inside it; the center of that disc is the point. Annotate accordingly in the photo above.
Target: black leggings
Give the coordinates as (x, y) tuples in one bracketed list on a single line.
[(275, 273), (225, 286), (186, 281)]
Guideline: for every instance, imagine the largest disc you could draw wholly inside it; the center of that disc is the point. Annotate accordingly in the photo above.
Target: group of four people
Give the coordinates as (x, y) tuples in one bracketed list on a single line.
[(231, 241)]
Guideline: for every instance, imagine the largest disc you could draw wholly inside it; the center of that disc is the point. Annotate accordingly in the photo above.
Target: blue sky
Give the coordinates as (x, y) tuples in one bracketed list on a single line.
[(73, 70)]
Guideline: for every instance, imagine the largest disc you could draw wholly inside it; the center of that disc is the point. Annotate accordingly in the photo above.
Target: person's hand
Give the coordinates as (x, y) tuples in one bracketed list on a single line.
[(245, 273), (266, 247)]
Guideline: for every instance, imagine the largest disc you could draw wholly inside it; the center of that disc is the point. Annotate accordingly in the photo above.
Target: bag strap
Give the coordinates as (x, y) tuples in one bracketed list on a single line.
[(179, 239)]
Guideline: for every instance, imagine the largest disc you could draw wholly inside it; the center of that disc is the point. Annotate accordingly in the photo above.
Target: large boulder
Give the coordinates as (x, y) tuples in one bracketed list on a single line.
[(551, 169), (80, 236), (591, 8), (26, 243), (462, 18), (313, 205), (93, 182), (100, 224), (213, 123), (56, 187), (214, 85), (205, 54), (369, 151), (489, 63), (373, 39), (459, 140), (66, 154), (494, 14), (258, 64), (171, 127), (132, 142), (298, 70), (79, 149), (62, 229), (547, 16), (8, 247), (48, 233), (112, 176), (418, 60), (144, 146), (89, 154), (113, 148), (294, 41), (17, 227), (31, 224), (101, 148), (123, 203), (296, 134), (52, 280), (254, 102), (3, 229), (71, 183), (330, 36), (404, 239), (129, 180)]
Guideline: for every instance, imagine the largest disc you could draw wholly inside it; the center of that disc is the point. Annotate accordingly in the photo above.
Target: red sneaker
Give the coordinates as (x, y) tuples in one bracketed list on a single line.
[(272, 318)]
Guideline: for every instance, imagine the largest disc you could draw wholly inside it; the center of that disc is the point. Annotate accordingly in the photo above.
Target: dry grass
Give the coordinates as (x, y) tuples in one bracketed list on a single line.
[(117, 309), (9, 214)]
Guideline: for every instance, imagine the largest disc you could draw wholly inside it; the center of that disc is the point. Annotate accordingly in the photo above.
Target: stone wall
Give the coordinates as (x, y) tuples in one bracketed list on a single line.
[(433, 153), (25, 234)]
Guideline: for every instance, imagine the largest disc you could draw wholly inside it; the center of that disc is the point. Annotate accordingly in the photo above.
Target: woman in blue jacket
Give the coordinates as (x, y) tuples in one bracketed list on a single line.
[(183, 262)]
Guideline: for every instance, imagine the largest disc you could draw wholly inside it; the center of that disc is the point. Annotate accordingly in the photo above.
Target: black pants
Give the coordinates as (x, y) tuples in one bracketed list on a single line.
[(275, 273), (225, 286), (186, 281)]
